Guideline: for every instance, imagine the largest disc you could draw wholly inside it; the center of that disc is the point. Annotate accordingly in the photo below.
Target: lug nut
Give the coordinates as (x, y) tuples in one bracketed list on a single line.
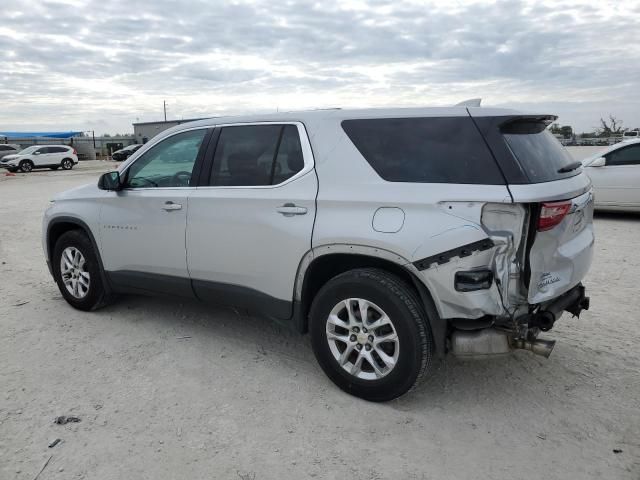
[(352, 338), (367, 347), (371, 338), (364, 330), (359, 347), (356, 329)]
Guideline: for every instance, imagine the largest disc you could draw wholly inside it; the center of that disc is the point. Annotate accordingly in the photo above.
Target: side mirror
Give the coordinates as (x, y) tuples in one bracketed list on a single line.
[(598, 162), (110, 181)]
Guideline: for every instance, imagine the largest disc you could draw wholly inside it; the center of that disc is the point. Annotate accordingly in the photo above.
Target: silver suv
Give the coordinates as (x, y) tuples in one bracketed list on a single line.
[(392, 236)]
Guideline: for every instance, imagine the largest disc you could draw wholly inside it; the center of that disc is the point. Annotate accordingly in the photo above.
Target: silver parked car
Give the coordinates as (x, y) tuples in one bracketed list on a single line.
[(8, 149), (392, 236)]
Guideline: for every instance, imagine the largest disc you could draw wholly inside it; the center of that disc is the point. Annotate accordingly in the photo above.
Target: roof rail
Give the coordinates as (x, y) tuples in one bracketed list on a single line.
[(472, 102)]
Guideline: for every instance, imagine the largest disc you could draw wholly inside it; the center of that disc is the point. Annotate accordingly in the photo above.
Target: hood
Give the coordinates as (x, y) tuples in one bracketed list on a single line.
[(89, 190), (11, 156)]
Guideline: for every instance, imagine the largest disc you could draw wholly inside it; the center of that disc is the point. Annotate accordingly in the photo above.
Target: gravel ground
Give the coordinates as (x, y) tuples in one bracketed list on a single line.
[(171, 389)]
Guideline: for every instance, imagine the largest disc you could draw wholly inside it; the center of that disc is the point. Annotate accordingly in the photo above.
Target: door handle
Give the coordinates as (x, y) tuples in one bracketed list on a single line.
[(170, 206), (290, 209)]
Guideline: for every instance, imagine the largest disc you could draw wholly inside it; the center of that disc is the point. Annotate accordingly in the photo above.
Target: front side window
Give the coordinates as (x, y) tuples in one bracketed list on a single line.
[(167, 164), (252, 155), (624, 156)]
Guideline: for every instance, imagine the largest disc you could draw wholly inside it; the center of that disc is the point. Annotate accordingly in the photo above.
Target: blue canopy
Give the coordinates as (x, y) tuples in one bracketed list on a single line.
[(39, 134)]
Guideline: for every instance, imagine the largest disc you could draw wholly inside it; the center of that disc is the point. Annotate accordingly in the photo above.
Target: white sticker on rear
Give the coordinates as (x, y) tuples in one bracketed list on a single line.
[(546, 279)]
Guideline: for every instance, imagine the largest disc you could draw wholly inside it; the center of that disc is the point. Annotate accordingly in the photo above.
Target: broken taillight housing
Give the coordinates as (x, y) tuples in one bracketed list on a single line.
[(552, 213)]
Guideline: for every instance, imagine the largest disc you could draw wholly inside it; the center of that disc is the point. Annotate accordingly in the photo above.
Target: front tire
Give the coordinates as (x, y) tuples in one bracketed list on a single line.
[(26, 166), (370, 334), (67, 164), (77, 271)]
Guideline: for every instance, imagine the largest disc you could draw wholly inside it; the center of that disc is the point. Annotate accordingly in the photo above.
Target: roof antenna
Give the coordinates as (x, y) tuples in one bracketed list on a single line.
[(472, 102)]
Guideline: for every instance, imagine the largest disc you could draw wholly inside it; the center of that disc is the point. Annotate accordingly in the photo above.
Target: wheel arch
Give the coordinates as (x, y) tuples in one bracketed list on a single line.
[(58, 226), (321, 264)]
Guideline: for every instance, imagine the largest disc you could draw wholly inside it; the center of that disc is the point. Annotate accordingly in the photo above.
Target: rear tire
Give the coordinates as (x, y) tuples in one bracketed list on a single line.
[(26, 166), (401, 345), (67, 164), (80, 282)]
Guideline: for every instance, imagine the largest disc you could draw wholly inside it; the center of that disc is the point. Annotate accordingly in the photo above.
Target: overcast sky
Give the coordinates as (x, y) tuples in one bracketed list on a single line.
[(101, 65)]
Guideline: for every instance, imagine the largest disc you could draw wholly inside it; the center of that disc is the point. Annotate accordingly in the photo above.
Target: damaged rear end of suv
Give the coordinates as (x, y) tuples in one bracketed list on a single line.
[(491, 215), (539, 246)]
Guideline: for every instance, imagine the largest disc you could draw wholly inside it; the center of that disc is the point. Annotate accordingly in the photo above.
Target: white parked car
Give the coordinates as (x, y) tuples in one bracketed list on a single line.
[(41, 156), (631, 135), (392, 236), (615, 174)]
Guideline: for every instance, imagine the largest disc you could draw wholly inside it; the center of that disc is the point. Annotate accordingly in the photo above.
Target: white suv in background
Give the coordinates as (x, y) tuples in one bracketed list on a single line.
[(41, 156), (392, 236)]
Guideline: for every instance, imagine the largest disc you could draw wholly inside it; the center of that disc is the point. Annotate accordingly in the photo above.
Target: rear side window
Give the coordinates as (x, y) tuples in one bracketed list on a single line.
[(425, 150), (537, 151), (253, 155)]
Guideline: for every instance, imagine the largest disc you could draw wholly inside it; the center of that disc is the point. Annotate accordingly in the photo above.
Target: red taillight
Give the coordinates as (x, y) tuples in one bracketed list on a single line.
[(551, 214), (75, 152)]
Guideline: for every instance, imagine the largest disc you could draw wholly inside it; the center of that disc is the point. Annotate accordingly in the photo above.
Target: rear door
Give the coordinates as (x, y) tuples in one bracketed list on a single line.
[(41, 156), (250, 222), (56, 154), (617, 183)]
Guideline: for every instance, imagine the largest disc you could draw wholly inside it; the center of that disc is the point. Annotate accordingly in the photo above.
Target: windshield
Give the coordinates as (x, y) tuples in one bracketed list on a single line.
[(538, 152), (29, 149)]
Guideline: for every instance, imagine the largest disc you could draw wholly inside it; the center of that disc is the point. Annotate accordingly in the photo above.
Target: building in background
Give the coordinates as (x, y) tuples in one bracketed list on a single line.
[(145, 131)]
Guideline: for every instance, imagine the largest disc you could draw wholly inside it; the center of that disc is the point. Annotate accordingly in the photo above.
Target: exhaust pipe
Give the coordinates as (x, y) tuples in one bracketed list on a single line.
[(489, 342), (538, 346)]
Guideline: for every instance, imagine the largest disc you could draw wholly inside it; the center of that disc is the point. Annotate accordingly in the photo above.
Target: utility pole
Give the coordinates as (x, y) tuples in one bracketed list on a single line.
[(164, 104)]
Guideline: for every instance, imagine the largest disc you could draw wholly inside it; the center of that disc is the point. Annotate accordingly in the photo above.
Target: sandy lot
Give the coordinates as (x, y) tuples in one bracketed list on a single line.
[(167, 389)]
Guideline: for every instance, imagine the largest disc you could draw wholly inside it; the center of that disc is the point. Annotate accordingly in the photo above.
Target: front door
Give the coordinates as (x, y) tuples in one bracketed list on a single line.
[(251, 223), (618, 182), (42, 156), (143, 226)]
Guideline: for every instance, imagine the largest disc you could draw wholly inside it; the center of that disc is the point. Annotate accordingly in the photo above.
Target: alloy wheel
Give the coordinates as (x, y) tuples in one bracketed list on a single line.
[(362, 339), (73, 270)]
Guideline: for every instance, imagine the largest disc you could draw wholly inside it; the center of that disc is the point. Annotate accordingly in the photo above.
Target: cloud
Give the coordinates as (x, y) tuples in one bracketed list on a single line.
[(72, 63)]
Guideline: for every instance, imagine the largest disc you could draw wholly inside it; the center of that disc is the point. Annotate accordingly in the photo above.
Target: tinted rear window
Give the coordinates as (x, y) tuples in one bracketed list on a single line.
[(537, 151), (425, 150)]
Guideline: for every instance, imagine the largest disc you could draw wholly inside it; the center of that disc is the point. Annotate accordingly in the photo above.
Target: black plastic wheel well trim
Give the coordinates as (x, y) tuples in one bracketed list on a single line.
[(85, 228)]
